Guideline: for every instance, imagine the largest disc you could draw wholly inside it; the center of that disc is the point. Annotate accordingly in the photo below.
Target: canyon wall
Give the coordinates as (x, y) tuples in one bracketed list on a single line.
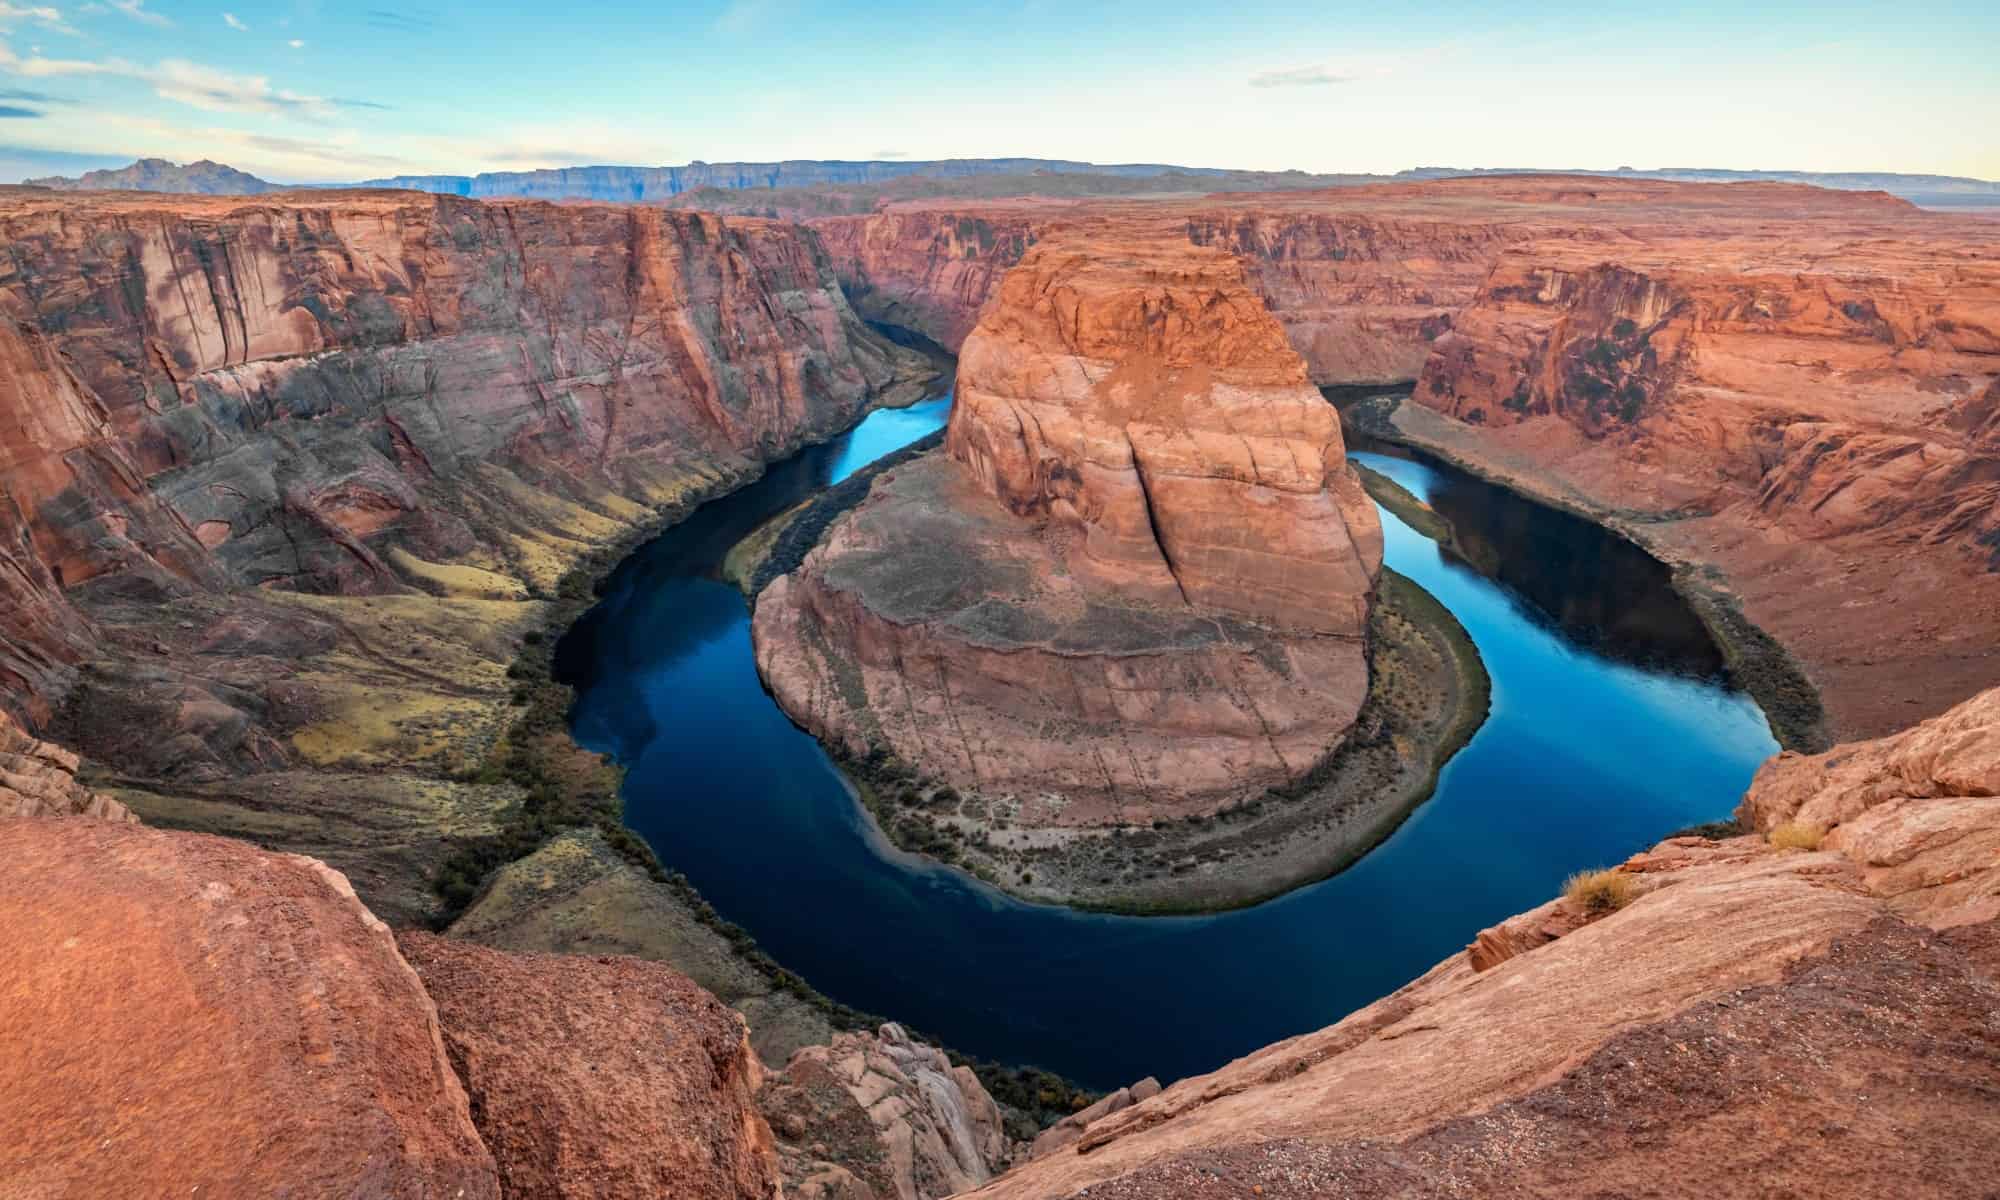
[(286, 483), (1133, 586), (217, 394)]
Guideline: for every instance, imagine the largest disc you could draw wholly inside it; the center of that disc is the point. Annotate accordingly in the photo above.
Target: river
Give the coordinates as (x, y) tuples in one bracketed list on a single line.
[(1610, 727)]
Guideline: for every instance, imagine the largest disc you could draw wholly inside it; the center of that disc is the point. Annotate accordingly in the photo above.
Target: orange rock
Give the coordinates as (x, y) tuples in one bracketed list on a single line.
[(600, 1077), (185, 1015)]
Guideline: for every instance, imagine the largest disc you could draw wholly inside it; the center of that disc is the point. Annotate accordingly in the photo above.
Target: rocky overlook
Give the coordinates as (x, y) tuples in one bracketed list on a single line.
[(1725, 1004)]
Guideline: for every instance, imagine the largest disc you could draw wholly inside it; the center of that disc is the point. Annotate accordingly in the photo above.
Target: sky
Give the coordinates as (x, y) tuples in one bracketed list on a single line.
[(315, 91)]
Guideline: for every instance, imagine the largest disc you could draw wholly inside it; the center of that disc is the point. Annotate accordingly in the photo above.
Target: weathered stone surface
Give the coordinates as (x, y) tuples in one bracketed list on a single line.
[(186, 1015), (576, 895), (1135, 584), (880, 1115), (1917, 811), (600, 1076)]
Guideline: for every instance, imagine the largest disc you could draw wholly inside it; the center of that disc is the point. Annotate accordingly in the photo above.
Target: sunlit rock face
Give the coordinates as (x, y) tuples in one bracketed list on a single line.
[(1135, 582)]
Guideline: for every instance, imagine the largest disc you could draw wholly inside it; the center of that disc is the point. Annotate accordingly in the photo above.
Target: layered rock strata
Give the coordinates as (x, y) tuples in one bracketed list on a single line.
[(879, 1116), (1747, 1006), (1134, 586), (38, 779)]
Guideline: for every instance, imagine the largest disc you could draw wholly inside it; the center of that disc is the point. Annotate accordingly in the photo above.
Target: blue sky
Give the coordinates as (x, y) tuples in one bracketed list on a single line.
[(308, 90)]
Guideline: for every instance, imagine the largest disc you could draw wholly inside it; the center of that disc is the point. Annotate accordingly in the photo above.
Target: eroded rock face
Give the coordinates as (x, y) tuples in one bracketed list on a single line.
[(188, 1015), (600, 1076), (879, 1115), (1141, 398), (1584, 1053), (1134, 585)]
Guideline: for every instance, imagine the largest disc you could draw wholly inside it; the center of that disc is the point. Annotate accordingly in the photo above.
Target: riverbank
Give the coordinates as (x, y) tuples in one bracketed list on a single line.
[(1756, 661)]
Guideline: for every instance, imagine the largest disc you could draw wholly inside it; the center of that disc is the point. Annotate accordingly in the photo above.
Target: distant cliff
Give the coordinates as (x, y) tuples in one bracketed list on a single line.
[(635, 184), (202, 178)]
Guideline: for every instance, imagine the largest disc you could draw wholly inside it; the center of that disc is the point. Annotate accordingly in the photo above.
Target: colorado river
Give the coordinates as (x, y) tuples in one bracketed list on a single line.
[(1609, 728)]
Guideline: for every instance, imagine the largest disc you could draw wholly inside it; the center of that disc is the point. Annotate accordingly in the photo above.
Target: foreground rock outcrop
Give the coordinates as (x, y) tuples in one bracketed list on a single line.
[(187, 1015), (600, 1077), (38, 779), (1135, 584), (1741, 1012), (879, 1116)]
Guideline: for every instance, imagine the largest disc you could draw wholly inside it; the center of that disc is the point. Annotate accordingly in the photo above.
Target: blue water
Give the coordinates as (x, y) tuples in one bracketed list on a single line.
[(1609, 729)]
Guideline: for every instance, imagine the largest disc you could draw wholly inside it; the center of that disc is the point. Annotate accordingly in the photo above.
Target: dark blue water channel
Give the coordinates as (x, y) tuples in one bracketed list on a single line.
[(1610, 727)]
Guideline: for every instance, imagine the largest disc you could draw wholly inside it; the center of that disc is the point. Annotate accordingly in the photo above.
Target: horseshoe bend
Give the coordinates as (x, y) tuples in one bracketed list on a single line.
[(990, 677)]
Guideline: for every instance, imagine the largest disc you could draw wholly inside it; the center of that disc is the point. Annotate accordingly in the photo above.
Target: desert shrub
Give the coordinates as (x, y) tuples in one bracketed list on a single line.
[(1600, 892), (1796, 835)]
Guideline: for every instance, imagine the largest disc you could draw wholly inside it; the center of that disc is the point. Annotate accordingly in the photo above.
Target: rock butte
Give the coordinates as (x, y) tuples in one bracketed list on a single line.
[(1135, 583)]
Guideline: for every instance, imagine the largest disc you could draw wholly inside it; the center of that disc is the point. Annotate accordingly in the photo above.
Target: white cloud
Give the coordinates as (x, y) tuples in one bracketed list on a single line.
[(136, 9), (1298, 77), (40, 14), (234, 22), (296, 44), (177, 79)]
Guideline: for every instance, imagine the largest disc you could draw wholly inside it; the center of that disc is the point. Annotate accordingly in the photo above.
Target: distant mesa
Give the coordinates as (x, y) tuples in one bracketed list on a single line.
[(203, 178), (653, 185)]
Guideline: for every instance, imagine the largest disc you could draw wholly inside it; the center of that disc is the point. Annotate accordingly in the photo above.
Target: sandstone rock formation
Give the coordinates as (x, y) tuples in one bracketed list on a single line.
[(187, 1015), (1787, 384), (38, 779), (878, 1116), (1751, 1007), (1135, 585), (601, 1076)]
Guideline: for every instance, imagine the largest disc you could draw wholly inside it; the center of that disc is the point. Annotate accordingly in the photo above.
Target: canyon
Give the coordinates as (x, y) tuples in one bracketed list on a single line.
[(300, 488)]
